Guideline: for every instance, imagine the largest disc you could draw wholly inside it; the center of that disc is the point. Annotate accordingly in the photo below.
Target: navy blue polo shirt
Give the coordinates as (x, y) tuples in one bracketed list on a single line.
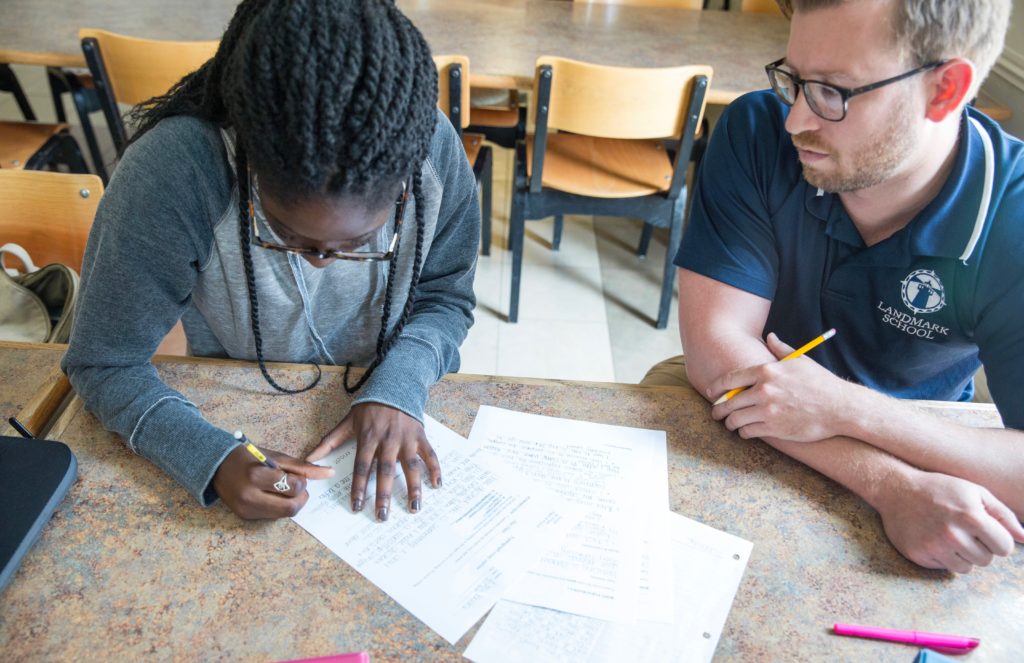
[(915, 314)]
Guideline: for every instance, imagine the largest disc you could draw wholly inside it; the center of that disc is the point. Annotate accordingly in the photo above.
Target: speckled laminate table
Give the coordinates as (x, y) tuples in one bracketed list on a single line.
[(24, 369), (502, 38), (131, 568)]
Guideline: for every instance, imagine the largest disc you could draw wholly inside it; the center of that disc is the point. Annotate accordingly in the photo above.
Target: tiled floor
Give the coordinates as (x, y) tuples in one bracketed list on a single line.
[(586, 311)]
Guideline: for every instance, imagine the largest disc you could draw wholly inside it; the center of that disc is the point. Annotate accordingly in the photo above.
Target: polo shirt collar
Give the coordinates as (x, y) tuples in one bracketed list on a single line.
[(943, 228)]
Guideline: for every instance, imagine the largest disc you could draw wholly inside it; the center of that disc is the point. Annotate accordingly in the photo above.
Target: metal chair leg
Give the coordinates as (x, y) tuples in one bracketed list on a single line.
[(72, 155), (517, 231), (669, 278), (9, 82), (86, 102), (556, 237), (486, 179), (645, 240), (57, 88)]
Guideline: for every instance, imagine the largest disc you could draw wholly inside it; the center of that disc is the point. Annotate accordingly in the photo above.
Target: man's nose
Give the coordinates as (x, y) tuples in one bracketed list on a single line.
[(801, 118)]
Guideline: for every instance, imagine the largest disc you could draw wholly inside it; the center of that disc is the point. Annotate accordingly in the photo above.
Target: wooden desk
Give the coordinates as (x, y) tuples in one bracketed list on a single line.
[(502, 38), (132, 568)]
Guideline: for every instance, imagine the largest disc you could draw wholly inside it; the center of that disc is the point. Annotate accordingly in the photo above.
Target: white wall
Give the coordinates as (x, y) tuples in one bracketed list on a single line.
[(1005, 84)]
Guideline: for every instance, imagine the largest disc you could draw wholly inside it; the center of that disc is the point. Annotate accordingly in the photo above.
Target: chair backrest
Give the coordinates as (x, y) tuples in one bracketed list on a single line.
[(617, 102), (761, 6), (139, 69), (130, 70), (678, 4), (453, 88), (49, 214)]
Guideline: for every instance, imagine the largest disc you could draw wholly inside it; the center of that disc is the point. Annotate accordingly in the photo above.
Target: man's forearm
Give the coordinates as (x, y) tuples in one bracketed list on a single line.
[(861, 468), (990, 457)]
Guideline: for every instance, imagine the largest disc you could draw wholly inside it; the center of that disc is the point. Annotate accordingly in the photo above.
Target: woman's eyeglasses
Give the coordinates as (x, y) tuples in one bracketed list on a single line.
[(362, 256), (825, 100)]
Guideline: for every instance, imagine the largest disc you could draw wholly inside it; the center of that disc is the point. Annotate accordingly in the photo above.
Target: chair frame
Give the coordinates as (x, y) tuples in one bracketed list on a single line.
[(9, 83), (531, 201), (105, 92), (86, 102), (61, 148), (483, 168), (61, 81)]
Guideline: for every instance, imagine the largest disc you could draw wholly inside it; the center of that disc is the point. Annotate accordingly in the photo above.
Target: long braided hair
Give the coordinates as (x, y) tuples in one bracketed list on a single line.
[(326, 97)]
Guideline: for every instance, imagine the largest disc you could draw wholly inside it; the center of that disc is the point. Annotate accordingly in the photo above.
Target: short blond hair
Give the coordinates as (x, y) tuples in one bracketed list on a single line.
[(933, 30)]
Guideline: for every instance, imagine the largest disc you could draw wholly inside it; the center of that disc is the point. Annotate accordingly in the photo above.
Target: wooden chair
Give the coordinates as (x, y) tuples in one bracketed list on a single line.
[(30, 145), (677, 4), (701, 138), (497, 111), (83, 95), (997, 113), (609, 157), (9, 83), (37, 146), (761, 7), (454, 101), (128, 70), (49, 214), (61, 80)]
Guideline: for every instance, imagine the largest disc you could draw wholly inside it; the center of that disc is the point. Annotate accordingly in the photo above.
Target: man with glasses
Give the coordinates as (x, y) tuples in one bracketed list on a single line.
[(861, 193)]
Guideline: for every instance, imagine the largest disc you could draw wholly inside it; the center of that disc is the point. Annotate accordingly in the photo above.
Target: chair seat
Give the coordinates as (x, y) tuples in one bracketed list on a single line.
[(603, 167), (485, 97), (495, 117), (19, 141), (472, 144)]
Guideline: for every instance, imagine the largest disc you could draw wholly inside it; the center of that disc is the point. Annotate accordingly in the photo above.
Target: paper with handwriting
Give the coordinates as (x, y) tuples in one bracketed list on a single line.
[(471, 541)]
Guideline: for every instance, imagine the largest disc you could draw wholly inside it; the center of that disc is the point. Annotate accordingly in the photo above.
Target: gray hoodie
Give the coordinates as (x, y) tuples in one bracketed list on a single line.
[(165, 245)]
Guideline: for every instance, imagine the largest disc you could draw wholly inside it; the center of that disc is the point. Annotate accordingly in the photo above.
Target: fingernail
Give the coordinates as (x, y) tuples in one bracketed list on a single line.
[(357, 504), (382, 513), (415, 506), (438, 482)]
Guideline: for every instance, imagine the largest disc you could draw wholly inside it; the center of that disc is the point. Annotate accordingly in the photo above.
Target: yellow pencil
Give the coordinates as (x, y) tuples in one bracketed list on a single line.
[(251, 448), (802, 350)]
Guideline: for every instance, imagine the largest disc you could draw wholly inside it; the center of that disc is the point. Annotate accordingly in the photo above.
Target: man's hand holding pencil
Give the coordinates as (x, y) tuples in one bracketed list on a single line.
[(793, 399)]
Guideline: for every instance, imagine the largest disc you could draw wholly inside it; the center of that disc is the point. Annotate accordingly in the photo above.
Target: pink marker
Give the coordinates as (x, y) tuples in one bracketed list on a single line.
[(934, 640)]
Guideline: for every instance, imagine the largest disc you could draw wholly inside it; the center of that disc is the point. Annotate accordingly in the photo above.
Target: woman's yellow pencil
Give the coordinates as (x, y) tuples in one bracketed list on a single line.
[(803, 349)]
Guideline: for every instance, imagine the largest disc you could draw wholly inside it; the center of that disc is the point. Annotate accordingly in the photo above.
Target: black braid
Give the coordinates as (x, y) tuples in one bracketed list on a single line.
[(242, 166), (384, 342), (326, 97)]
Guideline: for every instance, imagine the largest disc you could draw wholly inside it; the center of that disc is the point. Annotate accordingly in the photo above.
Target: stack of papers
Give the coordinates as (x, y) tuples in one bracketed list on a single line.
[(566, 522)]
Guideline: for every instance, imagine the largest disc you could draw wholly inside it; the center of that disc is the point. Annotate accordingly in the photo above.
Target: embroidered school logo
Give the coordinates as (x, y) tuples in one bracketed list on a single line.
[(923, 291)]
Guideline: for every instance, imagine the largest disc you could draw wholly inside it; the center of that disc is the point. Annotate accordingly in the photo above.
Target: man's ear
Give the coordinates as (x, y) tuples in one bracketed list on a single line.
[(949, 87)]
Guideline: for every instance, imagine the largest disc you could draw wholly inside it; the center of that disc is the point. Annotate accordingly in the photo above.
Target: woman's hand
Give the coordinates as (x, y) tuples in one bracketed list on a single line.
[(385, 435), (247, 486)]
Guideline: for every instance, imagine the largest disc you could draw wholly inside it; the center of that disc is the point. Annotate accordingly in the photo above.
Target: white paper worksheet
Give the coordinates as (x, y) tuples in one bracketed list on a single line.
[(618, 476), (709, 565), (448, 564)]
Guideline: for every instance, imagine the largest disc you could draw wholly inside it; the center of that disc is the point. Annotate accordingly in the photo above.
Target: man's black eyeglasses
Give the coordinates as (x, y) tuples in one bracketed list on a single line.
[(362, 256), (827, 101)]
